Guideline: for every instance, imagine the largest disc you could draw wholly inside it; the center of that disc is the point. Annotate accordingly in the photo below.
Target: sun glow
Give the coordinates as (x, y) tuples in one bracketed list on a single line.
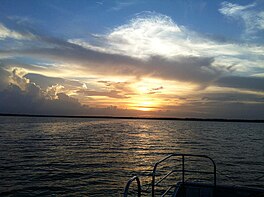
[(146, 106)]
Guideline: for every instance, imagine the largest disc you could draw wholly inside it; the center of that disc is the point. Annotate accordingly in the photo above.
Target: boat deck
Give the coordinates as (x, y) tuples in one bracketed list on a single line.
[(206, 190)]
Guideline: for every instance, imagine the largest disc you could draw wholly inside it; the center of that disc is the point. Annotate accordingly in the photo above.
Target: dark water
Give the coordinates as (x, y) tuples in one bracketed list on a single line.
[(95, 157)]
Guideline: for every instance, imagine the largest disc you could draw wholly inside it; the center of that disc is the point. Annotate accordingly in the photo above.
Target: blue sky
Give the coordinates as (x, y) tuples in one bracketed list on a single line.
[(136, 58)]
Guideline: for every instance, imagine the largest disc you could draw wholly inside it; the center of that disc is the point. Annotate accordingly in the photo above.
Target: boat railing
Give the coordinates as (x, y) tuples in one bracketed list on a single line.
[(182, 170), (129, 183)]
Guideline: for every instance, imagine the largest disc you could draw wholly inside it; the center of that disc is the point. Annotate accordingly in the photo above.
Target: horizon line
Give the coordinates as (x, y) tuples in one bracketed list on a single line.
[(136, 117)]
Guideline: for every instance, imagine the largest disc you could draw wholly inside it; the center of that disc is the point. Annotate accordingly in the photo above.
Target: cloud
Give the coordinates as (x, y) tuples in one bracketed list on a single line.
[(252, 18), (240, 82), (110, 94), (150, 35), (4, 78), (23, 96), (219, 103), (183, 68), (44, 81), (7, 33), (230, 110), (30, 101), (18, 79), (124, 87), (119, 5), (155, 90), (232, 97)]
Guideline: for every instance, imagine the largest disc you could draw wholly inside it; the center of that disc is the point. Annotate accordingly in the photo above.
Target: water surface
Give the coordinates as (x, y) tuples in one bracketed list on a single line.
[(95, 157)]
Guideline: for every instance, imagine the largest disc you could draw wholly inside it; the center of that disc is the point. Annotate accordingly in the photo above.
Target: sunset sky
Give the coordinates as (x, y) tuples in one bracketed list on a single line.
[(166, 58)]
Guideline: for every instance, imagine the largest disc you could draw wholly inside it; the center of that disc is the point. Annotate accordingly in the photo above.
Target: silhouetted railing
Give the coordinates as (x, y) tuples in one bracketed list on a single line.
[(182, 170), (129, 183)]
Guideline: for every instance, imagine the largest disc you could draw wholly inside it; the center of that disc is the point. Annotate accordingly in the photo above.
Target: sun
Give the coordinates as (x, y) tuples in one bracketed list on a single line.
[(147, 95), (144, 109), (143, 105)]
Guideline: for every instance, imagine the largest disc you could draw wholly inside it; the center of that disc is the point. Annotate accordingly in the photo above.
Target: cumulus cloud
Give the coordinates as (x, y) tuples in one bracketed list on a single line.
[(23, 96), (18, 79), (14, 100)]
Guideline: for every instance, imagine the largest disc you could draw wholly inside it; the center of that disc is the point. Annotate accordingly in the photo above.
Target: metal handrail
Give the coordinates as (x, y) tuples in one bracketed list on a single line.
[(153, 184), (129, 183)]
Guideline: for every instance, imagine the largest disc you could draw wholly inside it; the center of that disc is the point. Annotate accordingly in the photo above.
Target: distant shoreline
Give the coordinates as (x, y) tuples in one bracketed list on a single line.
[(140, 118)]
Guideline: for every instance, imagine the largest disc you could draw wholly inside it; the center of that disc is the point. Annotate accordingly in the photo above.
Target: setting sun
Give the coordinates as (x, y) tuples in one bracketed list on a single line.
[(146, 106)]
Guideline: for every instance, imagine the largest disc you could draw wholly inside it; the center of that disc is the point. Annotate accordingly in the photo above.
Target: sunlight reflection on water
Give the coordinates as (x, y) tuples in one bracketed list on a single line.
[(95, 157)]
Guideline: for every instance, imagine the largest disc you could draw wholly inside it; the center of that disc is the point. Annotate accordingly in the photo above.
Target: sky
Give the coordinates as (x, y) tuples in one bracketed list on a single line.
[(144, 58)]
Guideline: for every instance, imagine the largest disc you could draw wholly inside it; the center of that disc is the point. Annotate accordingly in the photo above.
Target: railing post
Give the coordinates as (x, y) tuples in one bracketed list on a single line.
[(214, 174), (153, 181), (183, 169)]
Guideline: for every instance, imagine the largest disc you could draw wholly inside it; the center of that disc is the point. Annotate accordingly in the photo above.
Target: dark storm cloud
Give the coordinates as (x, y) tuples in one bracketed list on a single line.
[(23, 96), (14, 100), (233, 97), (216, 109), (182, 68), (249, 83)]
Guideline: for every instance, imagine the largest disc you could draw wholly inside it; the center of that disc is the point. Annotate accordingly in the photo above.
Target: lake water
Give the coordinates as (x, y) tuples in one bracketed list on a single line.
[(95, 157)]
